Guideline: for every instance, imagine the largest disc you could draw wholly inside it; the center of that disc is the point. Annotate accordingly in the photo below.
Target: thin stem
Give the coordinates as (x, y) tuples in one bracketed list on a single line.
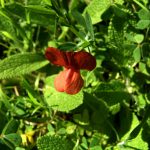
[(2, 3), (146, 35), (141, 5), (4, 45), (37, 37), (76, 33), (63, 33), (117, 136)]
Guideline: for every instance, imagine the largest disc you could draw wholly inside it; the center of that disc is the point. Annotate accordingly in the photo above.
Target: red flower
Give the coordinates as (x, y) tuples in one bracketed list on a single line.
[(70, 80)]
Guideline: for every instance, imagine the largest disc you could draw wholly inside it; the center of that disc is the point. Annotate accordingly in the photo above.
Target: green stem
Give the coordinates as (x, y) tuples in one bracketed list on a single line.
[(2, 3), (76, 33), (117, 136), (64, 32), (141, 5), (4, 45)]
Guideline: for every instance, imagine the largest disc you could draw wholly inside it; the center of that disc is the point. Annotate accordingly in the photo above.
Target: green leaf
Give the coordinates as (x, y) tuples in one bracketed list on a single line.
[(67, 46), (9, 26), (42, 16), (144, 19), (58, 7), (6, 101), (11, 127), (137, 54), (96, 8), (138, 128), (119, 1), (46, 20), (95, 142), (78, 17), (8, 35), (112, 93), (13, 138), (133, 124), (124, 121), (96, 148), (135, 132), (142, 24), (138, 38), (61, 101), (48, 142), (33, 2), (19, 148), (118, 11), (73, 4), (71, 128), (82, 119), (6, 26), (34, 97), (89, 25), (97, 107), (144, 15), (84, 143), (20, 64), (3, 119), (137, 143), (40, 9), (16, 9), (114, 97)]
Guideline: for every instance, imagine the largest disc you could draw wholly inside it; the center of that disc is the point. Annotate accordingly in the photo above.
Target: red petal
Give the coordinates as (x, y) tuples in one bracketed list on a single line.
[(74, 60), (59, 81), (56, 57), (74, 82), (85, 60), (69, 81)]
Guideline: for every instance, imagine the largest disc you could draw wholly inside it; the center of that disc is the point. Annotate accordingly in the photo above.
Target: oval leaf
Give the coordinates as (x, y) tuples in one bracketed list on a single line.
[(20, 64), (61, 101)]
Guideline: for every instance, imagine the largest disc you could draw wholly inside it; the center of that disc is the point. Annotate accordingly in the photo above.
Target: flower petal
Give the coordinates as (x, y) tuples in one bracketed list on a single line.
[(85, 60), (74, 60), (56, 57), (69, 81), (74, 82), (59, 81)]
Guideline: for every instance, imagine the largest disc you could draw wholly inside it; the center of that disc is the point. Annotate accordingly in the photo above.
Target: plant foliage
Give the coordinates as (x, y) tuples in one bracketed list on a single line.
[(112, 109)]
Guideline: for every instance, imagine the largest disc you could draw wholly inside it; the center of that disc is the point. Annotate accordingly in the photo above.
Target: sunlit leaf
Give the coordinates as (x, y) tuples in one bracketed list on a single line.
[(61, 101), (20, 64)]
